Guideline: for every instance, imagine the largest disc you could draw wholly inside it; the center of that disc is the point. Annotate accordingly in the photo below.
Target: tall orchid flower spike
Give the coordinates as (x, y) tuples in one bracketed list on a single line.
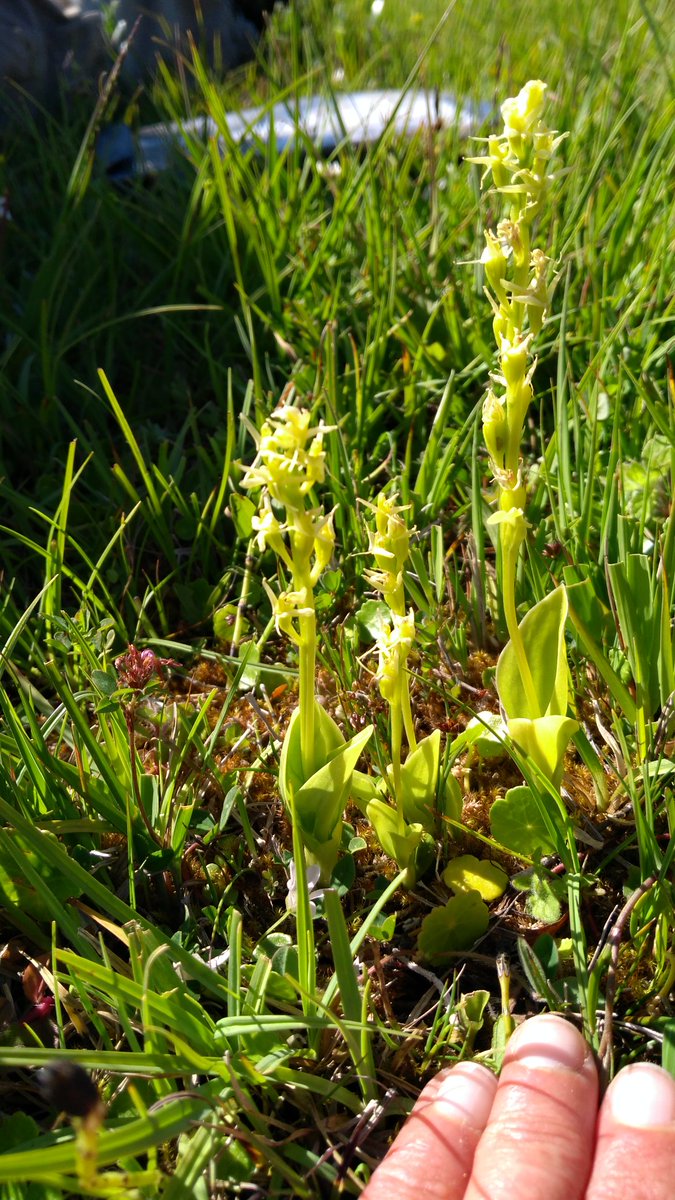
[(404, 828), (517, 161), (290, 459), (389, 544), (532, 669), (316, 764)]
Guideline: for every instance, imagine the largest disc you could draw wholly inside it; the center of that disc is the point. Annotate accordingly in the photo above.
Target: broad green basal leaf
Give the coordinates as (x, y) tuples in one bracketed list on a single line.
[(424, 795), (419, 780), (327, 738), (543, 634), (320, 801), (365, 788), (544, 742), (408, 844)]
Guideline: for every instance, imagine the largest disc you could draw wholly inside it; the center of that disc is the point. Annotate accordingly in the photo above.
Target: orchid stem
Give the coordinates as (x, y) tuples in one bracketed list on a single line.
[(306, 700)]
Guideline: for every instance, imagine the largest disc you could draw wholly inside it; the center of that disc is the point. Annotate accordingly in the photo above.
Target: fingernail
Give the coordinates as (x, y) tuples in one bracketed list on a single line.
[(548, 1041), (469, 1090), (642, 1095)]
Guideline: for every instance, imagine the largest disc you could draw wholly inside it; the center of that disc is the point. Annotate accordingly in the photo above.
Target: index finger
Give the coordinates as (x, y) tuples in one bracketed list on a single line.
[(433, 1154)]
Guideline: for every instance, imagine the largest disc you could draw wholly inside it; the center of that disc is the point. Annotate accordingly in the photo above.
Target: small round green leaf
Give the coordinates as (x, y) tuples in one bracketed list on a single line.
[(457, 926), (468, 874), (518, 824)]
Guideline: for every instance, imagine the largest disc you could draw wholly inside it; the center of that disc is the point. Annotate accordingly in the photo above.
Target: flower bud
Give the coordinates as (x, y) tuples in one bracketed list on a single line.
[(522, 112), (495, 428), (393, 645), (493, 259), (537, 299), (518, 399), (498, 153), (513, 360)]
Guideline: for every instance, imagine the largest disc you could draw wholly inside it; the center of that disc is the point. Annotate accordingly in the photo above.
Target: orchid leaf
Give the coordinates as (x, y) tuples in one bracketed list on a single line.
[(365, 788), (454, 927), (469, 1016), (419, 780), (327, 739), (320, 802), (543, 634), (291, 775), (469, 874), (408, 844), (517, 823), (422, 797), (544, 741), (389, 826)]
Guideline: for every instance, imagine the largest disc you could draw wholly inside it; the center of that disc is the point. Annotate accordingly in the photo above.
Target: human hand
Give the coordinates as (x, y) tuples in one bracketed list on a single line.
[(535, 1133)]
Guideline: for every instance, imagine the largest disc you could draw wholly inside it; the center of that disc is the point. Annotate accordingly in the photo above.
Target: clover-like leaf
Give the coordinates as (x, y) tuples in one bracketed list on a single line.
[(469, 874), (454, 927), (517, 823)]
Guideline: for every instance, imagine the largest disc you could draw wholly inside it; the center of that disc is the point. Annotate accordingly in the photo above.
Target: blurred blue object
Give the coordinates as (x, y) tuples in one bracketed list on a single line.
[(325, 123), (116, 151)]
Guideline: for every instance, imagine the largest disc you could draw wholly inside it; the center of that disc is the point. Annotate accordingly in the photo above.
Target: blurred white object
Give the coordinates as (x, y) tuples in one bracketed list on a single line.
[(324, 122)]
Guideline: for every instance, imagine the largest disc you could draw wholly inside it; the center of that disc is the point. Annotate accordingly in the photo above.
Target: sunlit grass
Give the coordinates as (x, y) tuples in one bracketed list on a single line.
[(144, 850)]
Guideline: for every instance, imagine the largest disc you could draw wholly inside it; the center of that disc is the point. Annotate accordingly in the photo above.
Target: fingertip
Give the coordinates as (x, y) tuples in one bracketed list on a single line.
[(467, 1090), (435, 1147), (641, 1096), (635, 1146), (539, 1138), (549, 1041)]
